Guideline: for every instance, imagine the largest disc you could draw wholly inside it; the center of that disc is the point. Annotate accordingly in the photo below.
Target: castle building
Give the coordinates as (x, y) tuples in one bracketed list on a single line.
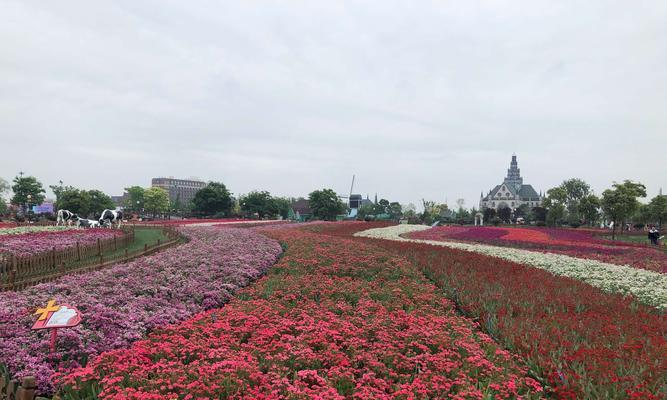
[(512, 192)]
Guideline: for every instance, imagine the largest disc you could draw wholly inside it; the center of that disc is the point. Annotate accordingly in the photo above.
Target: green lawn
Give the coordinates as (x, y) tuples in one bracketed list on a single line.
[(142, 236), (641, 239)]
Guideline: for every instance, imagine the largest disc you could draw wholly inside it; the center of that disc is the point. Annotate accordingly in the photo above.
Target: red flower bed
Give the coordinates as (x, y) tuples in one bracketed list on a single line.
[(584, 342), (188, 221), (582, 244), (334, 319)]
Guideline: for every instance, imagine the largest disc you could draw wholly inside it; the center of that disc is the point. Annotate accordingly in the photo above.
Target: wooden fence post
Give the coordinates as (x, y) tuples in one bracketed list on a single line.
[(127, 258), (12, 273), (115, 242), (27, 389), (145, 247), (99, 247), (78, 251), (53, 257)]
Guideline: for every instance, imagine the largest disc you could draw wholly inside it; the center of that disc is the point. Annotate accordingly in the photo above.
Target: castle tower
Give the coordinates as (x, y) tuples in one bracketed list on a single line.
[(514, 174)]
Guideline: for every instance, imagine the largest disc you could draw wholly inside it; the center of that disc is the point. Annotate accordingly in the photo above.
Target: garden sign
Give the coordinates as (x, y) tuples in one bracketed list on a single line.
[(54, 317)]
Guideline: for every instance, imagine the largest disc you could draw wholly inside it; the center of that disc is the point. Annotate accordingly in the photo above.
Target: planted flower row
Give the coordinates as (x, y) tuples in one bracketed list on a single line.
[(333, 319), (647, 287), (586, 343), (121, 303), (579, 243), (21, 230), (40, 242)]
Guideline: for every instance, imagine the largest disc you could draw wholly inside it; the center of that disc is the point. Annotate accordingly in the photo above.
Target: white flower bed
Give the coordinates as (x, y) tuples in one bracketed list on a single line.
[(646, 286), (31, 229)]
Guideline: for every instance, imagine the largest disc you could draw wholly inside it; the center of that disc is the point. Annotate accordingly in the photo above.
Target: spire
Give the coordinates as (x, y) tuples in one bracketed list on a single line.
[(376, 197)]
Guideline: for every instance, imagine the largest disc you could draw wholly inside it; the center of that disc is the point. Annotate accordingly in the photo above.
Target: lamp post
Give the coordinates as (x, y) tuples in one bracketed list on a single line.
[(29, 197)]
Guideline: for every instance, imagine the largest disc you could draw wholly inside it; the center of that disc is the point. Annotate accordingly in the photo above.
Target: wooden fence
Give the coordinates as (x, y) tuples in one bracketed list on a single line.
[(17, 273)]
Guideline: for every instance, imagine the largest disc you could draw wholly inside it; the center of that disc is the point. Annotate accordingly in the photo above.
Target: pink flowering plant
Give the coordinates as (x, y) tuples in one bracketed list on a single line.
[(41, 241), (122, 303)]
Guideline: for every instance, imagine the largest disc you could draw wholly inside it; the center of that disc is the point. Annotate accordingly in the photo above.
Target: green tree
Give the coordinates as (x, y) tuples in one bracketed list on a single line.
[(156, 201), (505, 214), (657, 209), (25, 187), (395, 210), (260, 203), (489, 214), (74, 200), (621, 202), (568, 194), (213, 198), (135, 199), (589, 208), (98, 202), (555, 214), (325, 204), (281, 206), (365, 210)]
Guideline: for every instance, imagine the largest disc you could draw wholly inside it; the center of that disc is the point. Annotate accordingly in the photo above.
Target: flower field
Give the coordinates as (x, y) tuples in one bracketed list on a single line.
[(576, 243), (334, 319), (21, 230), (582, 342), (646, 286), (122, 303), (34, 242)]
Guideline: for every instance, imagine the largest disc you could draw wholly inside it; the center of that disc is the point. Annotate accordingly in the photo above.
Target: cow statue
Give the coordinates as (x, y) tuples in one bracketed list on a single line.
[(66, 217), (87, 223), (109, 217)]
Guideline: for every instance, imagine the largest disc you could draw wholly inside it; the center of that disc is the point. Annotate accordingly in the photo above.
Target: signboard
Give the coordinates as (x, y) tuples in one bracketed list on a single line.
[(57, 316), (43, 208)]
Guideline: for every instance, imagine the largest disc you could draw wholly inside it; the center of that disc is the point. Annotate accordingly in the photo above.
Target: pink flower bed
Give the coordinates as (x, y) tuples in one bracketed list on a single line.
[(122, 303), (39, 242), (576, 243)]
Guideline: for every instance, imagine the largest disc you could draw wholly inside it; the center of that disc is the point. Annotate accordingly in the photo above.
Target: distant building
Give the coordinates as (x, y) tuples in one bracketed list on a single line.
[(180, 190), (512, 192)]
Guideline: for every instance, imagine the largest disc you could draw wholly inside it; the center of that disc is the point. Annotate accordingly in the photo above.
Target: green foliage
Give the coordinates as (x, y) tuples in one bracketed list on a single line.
[(260, 203), (281, 206), (621, 202), (570, 195), (555, 214), (325, 204), (84, 203), (135, 199), (24, 186), (657, 209), (99, 201), (589, 208), (3, 206), (435, 212), (212, 199), (156, 201), (489, 214), (505, 214), (540, 214)]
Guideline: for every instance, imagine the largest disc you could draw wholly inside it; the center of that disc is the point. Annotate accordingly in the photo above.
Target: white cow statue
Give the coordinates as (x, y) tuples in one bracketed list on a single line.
[(109, 217), (87, 223), (66, 217)]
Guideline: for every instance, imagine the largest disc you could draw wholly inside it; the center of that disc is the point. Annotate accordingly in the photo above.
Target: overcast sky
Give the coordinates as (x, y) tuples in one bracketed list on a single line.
[(418, 99)]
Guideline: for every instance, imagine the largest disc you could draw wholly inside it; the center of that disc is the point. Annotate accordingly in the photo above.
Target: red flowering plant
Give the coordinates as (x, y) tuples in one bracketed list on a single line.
[(576, 243), (334, 319), (584, 342)]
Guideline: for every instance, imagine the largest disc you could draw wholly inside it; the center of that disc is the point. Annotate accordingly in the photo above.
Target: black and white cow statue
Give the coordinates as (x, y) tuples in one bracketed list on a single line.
[(109, 217), (66, 217), (87, 223)]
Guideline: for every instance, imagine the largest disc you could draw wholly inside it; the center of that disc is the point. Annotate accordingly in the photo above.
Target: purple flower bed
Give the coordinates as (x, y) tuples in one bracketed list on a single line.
[(122, 303), (39, 242)]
